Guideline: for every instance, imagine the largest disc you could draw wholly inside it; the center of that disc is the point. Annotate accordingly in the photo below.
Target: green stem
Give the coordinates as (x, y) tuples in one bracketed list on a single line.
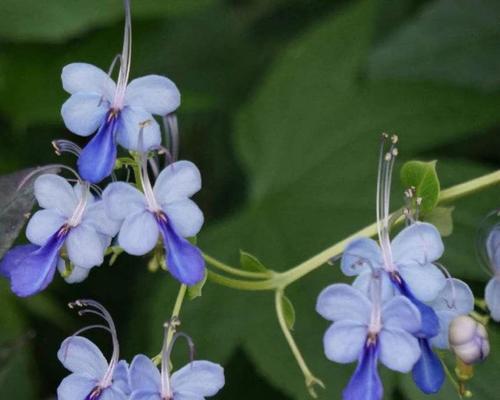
[(310, 379), (283, 279), (234, 271)]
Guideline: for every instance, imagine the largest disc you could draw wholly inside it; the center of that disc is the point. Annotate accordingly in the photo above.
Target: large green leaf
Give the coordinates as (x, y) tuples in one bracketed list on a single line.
[(448, 41), (58, 20), (308, 141)]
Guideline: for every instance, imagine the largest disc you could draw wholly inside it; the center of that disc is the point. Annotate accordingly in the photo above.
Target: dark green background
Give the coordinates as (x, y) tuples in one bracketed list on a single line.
[(283, 104)]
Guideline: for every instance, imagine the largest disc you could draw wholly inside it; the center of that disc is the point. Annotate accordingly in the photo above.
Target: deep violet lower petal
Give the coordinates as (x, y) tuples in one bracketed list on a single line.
[(184, 260), (14, 257), (365, 383), (428, 372), (430, 321), (33, 273), (98, 158)]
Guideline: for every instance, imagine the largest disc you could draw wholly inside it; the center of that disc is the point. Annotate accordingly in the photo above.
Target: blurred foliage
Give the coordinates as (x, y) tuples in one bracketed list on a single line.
[(283, 102)]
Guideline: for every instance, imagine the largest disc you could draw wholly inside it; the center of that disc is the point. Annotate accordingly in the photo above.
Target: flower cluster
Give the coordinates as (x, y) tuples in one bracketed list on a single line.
[(94, 378), (76, 224), (399, 306)]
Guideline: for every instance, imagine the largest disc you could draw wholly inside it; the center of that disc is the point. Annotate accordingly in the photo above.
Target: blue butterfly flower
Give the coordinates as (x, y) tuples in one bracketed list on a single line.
[(195, 381), (165, 209), (70, 218), (115, 110), (369, 332), (92, 377)]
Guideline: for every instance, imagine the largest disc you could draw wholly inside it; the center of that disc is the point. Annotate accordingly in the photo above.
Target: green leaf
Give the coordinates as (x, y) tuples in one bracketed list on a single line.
[(288, 312), (448, 41), (442, 219), (251, 263), (423, 177), (196, 290), (15, 205), (58, 20)]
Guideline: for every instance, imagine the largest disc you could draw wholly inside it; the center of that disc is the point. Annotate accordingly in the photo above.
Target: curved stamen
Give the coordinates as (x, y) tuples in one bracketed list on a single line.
[(93, 307), (146, 183), (172, 129), (66, 146), (123, 76), (46, 168), (449, 278)]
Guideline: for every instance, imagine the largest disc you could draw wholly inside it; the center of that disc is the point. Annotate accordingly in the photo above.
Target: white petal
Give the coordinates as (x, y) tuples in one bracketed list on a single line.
[(155, 94), (82, 77), (80, 355), (178, 181), (122, 199), (343, 302), (424, 281), (202, 378), (185, 216), (139, 233), (42, 225), (344, 341), (54, 192), (84, 247), (399, 350), (131, 121), (83, 113)]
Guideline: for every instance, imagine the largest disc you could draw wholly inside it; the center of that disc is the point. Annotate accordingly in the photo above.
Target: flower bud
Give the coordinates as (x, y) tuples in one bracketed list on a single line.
[(469, 339)]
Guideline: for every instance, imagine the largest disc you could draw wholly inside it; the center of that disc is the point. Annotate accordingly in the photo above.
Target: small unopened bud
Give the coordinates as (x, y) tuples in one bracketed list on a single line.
[(469, 339)]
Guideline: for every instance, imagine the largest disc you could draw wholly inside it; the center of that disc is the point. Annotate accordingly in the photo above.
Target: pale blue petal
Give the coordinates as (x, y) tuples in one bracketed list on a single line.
[(42, 225), (54, 192), (455, 297), (84, 247), (76, 386), (145, 395), (155, 94), (178, 181), (424, 281), (188, 396), (131, 120), (419, 243), (202, 378), (185, 216), (121, 378), (343, 302), (83, 113), (492, 297), (139, 233), (77, 275), (83, 77), (113, 393), (493, 247), (363, 284), (122, 200), (80, 355), (441, 339), (344, 341), (96, 217), (144, 375), (399, 350), (359, 255), (401, 313)]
